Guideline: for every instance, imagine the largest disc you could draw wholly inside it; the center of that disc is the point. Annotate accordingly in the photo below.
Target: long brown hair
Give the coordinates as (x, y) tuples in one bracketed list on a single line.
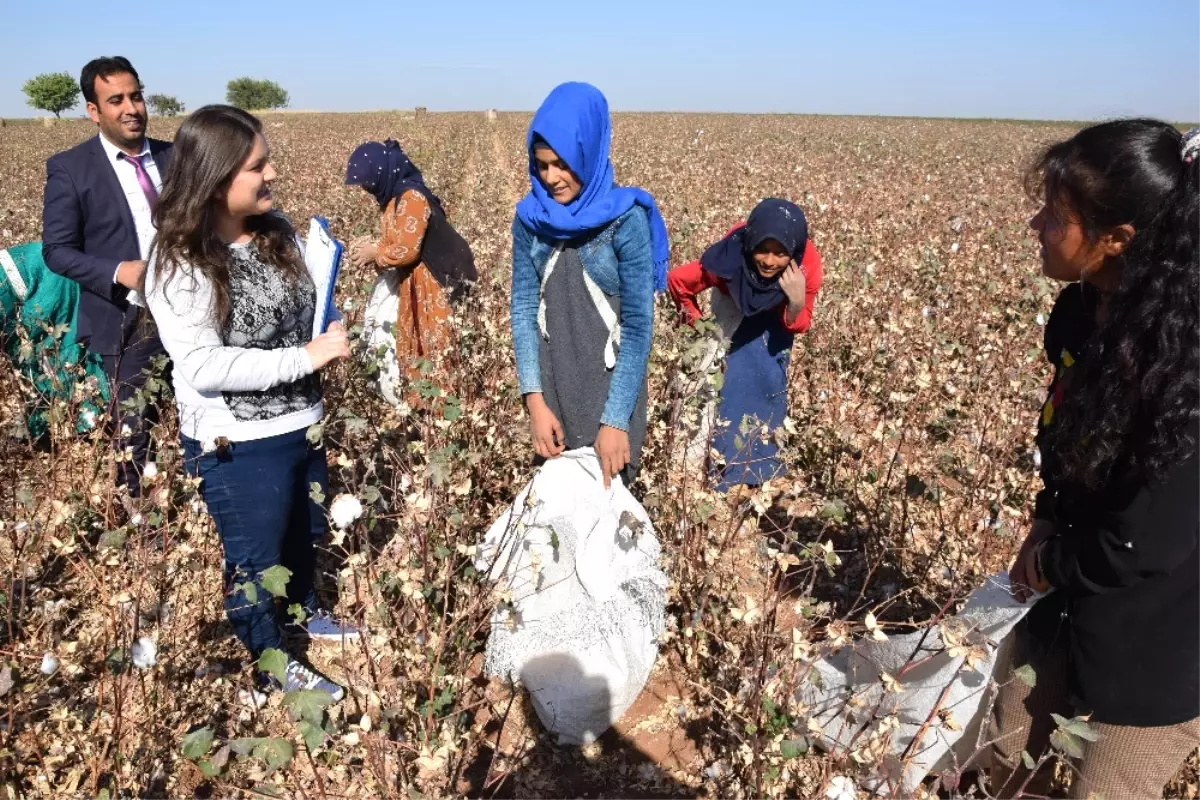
[(209, 150)]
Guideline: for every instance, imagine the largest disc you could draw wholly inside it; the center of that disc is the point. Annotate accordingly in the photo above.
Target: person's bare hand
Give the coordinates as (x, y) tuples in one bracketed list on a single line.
[(1022, 576), (130, 274), (329, 346), (793, 285), (363, 252), (612, 448), (547, 432)]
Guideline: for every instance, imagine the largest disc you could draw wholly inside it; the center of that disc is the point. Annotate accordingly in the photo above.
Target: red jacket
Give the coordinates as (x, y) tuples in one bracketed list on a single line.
[(686, 281)]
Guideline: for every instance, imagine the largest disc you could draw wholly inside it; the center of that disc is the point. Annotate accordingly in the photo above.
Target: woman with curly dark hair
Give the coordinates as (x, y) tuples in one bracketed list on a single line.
[(1115, 531)]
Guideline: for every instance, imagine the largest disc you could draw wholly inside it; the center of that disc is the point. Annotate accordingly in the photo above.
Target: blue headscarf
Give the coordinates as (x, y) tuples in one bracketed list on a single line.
[(574, 122), (384, 170), (732, 258)]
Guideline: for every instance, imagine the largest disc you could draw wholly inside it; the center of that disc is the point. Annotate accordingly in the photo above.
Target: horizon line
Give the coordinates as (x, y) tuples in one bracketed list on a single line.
[(412, 110)]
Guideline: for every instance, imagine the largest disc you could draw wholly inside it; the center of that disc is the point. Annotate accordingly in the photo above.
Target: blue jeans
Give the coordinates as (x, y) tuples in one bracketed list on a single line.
[(258, 495)]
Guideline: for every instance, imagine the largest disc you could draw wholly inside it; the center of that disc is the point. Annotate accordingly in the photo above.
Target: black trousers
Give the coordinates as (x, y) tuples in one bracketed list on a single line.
[(131, 422)]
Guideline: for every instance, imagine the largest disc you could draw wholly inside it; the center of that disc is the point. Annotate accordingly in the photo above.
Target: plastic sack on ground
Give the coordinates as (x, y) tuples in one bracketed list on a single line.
[(941, 675), (583, 596)]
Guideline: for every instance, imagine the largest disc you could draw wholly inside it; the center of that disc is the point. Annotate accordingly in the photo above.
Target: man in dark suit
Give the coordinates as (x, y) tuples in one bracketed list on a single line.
[(97, 230)]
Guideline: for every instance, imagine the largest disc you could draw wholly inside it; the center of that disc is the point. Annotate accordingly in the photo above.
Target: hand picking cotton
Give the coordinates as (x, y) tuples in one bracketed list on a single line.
[(584, 597), (860, 696)]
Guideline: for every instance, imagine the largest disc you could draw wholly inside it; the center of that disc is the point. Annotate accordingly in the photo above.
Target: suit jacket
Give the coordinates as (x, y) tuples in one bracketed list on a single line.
[(87, 230)]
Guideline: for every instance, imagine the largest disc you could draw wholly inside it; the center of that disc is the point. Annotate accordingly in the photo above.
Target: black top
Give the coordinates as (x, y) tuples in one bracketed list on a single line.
[(447, 255), (1125, 568)]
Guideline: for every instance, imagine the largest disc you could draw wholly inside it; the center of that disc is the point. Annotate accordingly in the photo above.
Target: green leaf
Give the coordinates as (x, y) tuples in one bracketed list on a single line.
[(793, 748), (197, 743), (1078, 726), (315, 433), (274, 662), (1064, 742), (250, 589), (276, 752), (307, 704), (1027, 675), (275, 579), (25, 497), (313, 735), (208, 769), (834, 510), (370, 494), (751, 728), (297, 613), (315, 494), (112, 540), (1028, 761), (244, 747)]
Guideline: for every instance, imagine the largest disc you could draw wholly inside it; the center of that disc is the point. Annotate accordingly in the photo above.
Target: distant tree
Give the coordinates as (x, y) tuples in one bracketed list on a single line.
[(55, 92), (164, 105), (252, 94)]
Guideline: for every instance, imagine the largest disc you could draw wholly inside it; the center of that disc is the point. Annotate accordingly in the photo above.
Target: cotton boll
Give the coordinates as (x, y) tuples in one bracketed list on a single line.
[(151, 471), (144, 653), (252, 698), (49, 664), (841, 788), (344, 510)]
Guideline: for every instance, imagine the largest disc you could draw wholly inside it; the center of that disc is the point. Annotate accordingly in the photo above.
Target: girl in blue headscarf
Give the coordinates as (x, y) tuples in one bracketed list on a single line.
[(587, 257)]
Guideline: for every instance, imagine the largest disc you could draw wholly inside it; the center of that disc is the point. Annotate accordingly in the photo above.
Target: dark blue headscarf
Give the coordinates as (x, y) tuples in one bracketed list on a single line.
[(383, 170), (732, 258), (574, 122)]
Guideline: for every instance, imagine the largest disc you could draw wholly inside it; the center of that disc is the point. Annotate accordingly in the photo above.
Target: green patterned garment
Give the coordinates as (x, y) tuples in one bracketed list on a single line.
[(37, 334)]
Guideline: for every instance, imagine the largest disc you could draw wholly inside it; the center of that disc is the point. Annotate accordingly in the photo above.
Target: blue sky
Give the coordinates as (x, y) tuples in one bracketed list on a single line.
[(1047, 59)]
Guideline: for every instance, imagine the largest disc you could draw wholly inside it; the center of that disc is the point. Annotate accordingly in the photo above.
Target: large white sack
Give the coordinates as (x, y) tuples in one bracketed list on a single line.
[(986, 619), (587, 596)]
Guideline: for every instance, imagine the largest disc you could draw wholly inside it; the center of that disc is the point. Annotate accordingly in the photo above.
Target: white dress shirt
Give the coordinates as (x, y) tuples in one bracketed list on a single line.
[(135, 197)]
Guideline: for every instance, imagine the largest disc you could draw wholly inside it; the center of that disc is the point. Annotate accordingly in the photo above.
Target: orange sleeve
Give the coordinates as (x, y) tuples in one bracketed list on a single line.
[(813, 273), (684, 283), (402, 230)]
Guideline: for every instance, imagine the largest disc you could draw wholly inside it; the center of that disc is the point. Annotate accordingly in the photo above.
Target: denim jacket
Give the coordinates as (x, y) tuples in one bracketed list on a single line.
[(618, 258)]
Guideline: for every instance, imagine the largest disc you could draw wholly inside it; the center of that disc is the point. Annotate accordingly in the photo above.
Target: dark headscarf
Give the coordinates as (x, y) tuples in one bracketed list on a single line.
[(383, 170), (732, 258)]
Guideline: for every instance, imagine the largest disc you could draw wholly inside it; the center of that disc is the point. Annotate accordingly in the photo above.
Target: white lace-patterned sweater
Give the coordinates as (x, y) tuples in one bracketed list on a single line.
[(252, 378)]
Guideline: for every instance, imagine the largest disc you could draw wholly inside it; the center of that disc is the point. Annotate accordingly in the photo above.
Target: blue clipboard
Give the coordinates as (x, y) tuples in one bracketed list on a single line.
[(323, 257)]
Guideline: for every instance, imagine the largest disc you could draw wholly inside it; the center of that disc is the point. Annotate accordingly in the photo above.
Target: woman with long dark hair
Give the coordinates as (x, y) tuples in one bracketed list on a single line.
[(234, 305), (1115, 529)]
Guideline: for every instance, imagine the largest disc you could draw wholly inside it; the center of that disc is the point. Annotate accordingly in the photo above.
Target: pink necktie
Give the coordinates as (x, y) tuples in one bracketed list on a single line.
[(143, 179)]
